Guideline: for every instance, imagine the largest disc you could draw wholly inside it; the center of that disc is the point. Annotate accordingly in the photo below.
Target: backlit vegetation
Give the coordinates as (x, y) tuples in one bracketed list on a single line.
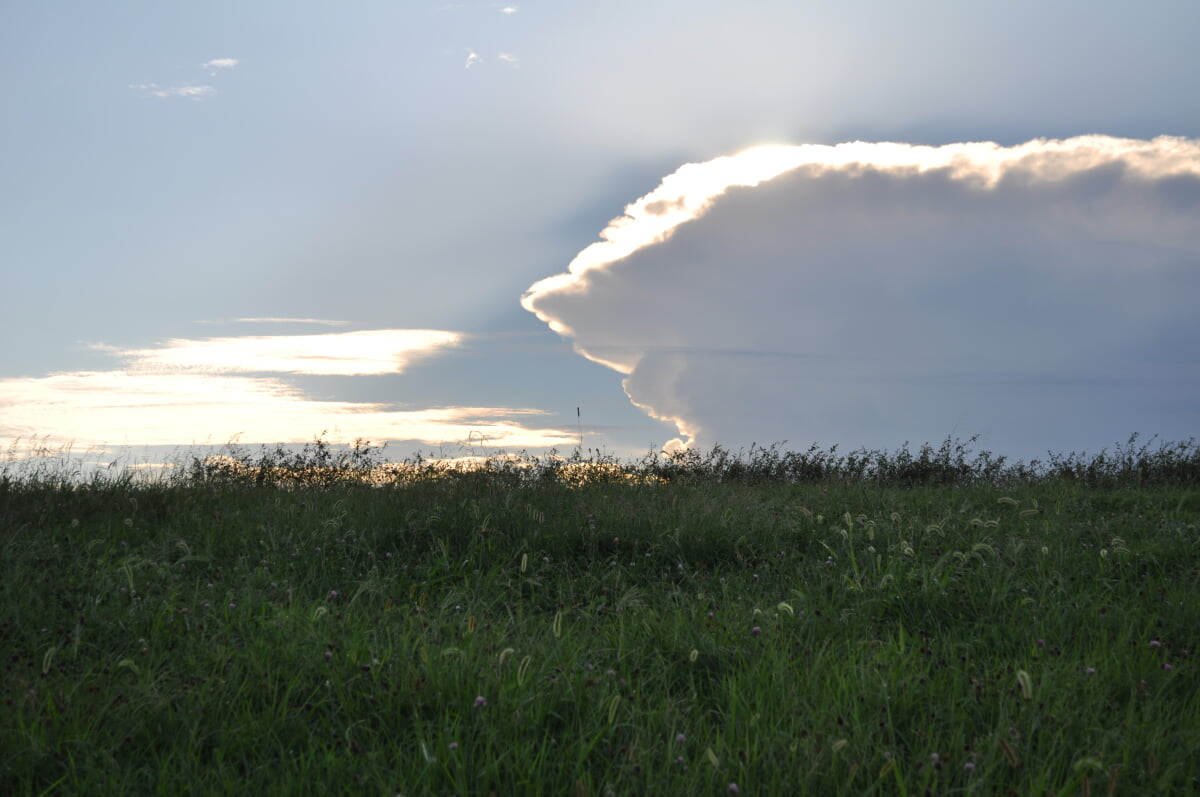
[(763, 622)]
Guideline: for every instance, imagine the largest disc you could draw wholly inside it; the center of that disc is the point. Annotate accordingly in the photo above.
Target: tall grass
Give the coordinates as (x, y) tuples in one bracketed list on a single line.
[(761, 623)]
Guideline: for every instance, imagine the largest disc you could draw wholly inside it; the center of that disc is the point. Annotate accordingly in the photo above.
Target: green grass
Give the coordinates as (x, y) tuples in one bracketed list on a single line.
[(728, 621)]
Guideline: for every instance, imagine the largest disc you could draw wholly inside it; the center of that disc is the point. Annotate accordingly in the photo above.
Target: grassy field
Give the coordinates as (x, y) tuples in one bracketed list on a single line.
[(768, 623)]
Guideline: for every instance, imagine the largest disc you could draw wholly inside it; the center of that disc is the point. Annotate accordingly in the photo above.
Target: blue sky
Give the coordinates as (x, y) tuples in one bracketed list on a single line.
[(201, 200)]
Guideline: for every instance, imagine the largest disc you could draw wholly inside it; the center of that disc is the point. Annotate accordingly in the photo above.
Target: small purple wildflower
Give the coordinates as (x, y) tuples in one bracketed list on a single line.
[(329, 655), (1167, 666), (733, 789), (969, 766), (756, 630), (1041, 643), (480, 701), (680, 738), (1154, 643), (454, 745), (333, 593), (1090, 671)]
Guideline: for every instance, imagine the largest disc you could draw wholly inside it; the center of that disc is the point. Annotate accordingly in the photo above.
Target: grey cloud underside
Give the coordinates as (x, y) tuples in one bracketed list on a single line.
[(886, 306)]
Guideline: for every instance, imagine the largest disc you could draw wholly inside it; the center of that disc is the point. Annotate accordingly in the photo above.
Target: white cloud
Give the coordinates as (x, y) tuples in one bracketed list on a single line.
[(472, 59), (509, 10), (190, 92), (195, 391), (219, 63), (317, 321), (96, 408), (377, 351), (866, 294), (509, 58)]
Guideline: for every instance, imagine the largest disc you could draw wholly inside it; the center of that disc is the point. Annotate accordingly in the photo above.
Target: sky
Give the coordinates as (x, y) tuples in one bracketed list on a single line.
[(474, 227)]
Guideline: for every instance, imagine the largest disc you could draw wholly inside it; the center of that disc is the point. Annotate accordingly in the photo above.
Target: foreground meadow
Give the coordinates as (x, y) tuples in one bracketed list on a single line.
[(713, 627)]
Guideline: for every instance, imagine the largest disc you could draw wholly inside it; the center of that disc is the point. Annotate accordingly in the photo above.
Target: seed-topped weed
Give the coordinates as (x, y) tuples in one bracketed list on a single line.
[(713, 624)]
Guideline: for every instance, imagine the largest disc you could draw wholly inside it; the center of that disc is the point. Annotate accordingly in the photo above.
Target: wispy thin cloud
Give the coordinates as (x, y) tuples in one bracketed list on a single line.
[(192, 391), (509, 58), (379, 351), (188, 92), (509, 10), (219, 63), (318, 321), (473, 59), (325, 322), (93, 408)]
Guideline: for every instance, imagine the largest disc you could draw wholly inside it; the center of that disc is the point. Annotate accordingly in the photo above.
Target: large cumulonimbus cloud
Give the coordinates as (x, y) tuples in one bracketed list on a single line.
[(1042, 295)]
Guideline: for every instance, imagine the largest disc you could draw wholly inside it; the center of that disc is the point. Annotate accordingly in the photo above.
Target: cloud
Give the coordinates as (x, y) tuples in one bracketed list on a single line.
[(868, 294), (94, 408), (219, 63), (317, 321), (189, 92), (474, 59), (195, 391), (509, 10), (378, 351)]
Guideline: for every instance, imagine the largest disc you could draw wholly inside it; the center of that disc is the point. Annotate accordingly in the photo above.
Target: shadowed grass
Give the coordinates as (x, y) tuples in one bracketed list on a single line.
[(713, 620)]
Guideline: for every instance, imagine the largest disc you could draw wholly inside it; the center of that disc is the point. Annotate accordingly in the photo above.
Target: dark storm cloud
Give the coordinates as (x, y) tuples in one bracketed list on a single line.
[(1041, 293)]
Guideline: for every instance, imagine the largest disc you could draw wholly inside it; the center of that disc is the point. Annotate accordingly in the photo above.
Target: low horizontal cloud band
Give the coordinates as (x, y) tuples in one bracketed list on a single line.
[(374, 351), (198, 391)]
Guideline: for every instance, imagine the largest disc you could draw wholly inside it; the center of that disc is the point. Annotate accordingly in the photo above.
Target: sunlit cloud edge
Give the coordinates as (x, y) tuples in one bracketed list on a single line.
[(689, 192), (363, 352), (119, 408), (692, 189)]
